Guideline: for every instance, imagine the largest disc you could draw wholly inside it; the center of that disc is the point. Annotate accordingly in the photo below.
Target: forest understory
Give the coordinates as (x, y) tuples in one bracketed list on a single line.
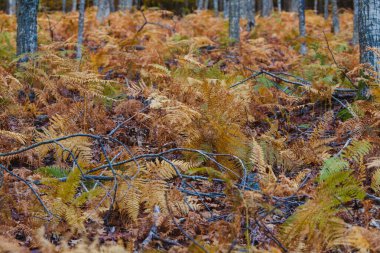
[(166, 137)]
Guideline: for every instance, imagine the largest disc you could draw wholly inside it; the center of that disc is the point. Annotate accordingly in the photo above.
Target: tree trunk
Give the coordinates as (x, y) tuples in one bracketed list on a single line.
[(103, 10), (316, 6), (26, 11), (302, 25), (216, 7), (199, 5), (11, 7), (267, 7), (326, 10), (279, 6), (243, 8), (369, 32), (226, 8), (82, 5), (293, 6), (74, 6), (96, 3), (234, 19), (355, 38), (129, 4), (251, 12), (64, 6), (206, 5), (335, 13), (112, 5)]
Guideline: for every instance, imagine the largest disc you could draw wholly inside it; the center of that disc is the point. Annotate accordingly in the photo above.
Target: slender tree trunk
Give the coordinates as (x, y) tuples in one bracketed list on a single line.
[(226, 8), (103, 10), (335, 13), (129, 4), (26, 11), (112, 5), (293, 6), (251, 12), (200, 5), (234, 20), (302, 25), (123, 5), (369, 32), (206, 5), (216, 7), (267, 8), (326, 9), (243, 8), (11, 7), (279, 8), (74, 5), (64, 6), (96, 3), (355, 38), (82, 5), (316, 6)]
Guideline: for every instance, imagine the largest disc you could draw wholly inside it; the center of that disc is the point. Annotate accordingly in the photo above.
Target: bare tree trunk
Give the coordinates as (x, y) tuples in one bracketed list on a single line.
[(326, 10), (335, 13), (226, 8), (96, 3), (206, 5), (82, 5), (112, 5), (267, 8), (129, 4), (11, 7), (234, 20), (293, 6), (26, 11), (369, 32), (216, 7), (74, 6), (302, 25), (103, 10), (200, 5), (279, 6), (355, 38), (251, 12), (243, 9), (316, 6), (64, 6)]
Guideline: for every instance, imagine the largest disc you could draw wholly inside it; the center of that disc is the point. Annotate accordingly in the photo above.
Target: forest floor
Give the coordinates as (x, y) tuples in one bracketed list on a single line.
[(164, 136)]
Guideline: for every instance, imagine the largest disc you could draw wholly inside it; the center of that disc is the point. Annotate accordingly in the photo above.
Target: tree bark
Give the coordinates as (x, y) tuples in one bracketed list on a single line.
[(216, 7), (316, 6), (112, 5), (335, 13), (369, 32), (251, 12), (200, 5), (206, 5), (26, 11), (355, 38), (96, 3), (82, 5), (11, 7), (74, 6), (267, 7), (293, 6), (103, 10), (64, 6), (279, 8), (226, 8), (302, 25), (326, 9), (243, 8), (234, 19)]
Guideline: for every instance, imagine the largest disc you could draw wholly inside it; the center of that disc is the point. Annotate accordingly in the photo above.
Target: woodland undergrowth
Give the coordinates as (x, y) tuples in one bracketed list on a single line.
[(164, 136)]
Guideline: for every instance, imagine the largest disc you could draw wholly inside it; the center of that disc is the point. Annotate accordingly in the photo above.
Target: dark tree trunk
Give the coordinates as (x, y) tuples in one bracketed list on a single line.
[(267, 8), (82, 5), (251, 12), (355, 38), (234, 19), (326, 9), (26, 11), (302, 25), (74, 6), (335, 13), (369, 32), (11, 7)]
